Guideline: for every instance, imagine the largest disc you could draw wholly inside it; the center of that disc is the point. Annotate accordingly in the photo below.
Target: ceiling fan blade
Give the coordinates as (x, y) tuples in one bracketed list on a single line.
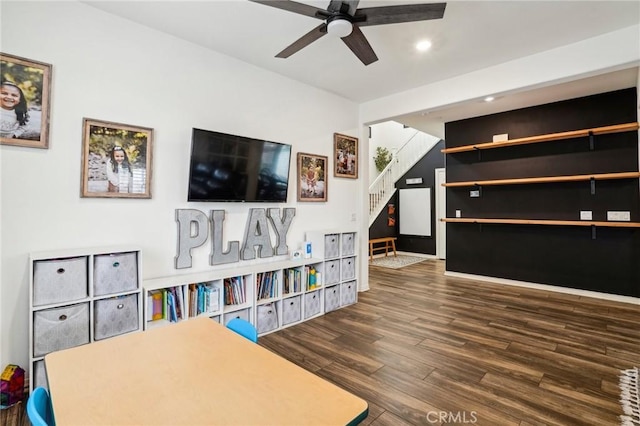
[(336, 6), (292, 6), (304, 41), (357, 42), (398, 14)]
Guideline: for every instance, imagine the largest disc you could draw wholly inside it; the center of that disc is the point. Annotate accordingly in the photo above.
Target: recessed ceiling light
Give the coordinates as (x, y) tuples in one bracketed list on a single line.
[(423, 45), (489, 99)]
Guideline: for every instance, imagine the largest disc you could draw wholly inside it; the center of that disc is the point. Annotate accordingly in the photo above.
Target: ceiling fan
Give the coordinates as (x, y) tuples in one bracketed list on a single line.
[(344, 19)]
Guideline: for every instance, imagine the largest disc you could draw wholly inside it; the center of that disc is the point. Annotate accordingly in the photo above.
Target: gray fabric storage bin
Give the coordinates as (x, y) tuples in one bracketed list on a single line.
[(331, 271), (242, 313), (60, 328), (348, 268), (291, 311), (266, 317), (59, 280), (40, 375), (116, 315), (331, 298), (348, 293), (115, 273), (348, 244), (331, 246), (312, 304)]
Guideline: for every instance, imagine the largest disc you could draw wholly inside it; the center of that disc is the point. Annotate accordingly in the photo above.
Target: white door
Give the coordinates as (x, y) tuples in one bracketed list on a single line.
[(441, 212)]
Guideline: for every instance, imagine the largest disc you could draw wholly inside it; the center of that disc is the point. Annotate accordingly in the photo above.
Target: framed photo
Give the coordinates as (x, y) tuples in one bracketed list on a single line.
[(312, 177), (25, 90), (116, 160), (345, 155)]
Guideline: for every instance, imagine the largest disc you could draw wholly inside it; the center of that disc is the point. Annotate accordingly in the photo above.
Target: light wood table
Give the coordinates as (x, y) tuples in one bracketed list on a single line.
[(196, 372)]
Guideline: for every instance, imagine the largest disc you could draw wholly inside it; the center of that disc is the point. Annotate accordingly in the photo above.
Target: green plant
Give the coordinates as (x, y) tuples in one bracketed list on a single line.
[(382, 158)]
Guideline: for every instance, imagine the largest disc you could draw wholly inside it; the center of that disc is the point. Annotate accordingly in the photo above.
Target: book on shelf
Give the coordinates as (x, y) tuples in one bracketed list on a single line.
[(156, 311)]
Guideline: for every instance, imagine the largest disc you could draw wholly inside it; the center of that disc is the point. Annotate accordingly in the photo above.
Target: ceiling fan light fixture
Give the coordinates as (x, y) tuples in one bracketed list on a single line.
[(339, 28)]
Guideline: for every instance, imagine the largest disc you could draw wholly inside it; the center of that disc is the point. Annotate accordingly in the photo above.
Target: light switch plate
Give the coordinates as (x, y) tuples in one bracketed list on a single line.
[(619, 216), (586, 215), (458, 213)]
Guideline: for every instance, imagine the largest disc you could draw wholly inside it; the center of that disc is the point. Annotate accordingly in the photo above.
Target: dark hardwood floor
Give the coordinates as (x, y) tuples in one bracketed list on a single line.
[(423, 348)]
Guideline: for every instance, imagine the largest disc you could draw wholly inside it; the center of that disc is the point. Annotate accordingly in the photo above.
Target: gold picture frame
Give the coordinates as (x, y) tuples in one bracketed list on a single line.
[(312, 177), (26, 92), (116, 160), (345, 156)]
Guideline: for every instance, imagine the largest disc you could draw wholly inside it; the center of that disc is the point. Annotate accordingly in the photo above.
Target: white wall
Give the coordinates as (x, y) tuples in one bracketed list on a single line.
[(616, 50), (389, 134), (110, 69)]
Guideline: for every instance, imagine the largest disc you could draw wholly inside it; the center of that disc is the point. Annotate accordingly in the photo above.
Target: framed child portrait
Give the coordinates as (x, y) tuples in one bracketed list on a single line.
[(312, 177), (345, 155), (25, 90), (116, 160)]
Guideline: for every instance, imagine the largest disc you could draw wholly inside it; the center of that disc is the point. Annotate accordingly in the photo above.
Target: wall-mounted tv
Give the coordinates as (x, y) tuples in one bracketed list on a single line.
[(236, 168)]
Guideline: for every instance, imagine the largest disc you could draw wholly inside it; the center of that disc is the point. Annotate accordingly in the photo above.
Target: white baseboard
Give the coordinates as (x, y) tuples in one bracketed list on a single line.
[(547, 287)]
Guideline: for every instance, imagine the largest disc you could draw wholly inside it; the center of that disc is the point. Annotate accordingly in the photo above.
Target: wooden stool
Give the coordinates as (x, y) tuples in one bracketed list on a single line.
[(389, 243)]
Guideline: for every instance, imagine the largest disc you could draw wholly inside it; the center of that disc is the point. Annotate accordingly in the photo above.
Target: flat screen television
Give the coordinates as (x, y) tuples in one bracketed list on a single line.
[(236, 168)]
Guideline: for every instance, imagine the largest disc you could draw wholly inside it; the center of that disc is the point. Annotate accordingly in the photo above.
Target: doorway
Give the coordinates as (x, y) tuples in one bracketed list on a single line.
[(441, 212)]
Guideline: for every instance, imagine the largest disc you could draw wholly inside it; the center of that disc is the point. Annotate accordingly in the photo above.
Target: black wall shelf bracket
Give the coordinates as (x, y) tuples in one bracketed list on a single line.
[(593, 232), (479, 151), (593, 186), (591, 141)]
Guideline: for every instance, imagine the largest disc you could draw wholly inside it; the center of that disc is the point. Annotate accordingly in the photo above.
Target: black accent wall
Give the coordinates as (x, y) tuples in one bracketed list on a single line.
[(601, 259)]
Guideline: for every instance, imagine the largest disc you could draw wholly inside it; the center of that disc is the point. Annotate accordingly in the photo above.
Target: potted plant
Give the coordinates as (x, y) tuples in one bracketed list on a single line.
[(382, 158)]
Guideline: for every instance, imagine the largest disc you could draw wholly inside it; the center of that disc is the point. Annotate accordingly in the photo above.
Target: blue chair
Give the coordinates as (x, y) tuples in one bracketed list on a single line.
[(39, 408), (243, 328)]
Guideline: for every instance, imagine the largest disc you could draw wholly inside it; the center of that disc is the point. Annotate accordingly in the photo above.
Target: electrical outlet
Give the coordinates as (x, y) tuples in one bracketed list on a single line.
[(500, 138), (353, 217), (458, 213), (586, 215), (619, 216), (474, 193)]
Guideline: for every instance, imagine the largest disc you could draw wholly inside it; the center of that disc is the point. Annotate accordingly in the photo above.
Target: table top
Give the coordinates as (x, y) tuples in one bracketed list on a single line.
[(195, 372)]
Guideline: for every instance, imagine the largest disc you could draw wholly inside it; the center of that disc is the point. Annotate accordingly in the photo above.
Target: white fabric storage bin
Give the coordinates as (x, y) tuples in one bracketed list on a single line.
[(242, 313), (60, 328), (331, 271), (40, 375), (59, 280), (266, 317), (331, 298), (331, 246), (312, 304), (348, 293), (348, 244), (116, 315), (115, 273), (348, 268), (291, 310)]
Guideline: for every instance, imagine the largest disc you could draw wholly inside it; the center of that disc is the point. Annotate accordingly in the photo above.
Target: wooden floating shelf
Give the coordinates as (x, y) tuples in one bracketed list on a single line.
[(544, 222), (618, 128), (548, 179)]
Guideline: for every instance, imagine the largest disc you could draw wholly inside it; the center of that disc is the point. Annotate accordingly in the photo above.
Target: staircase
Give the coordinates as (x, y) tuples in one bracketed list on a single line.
[(383, 187)]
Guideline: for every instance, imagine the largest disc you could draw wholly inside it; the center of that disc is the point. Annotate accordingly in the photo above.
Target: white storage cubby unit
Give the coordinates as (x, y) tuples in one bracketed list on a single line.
[(80, 296), (339, 266), (270, 295)]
